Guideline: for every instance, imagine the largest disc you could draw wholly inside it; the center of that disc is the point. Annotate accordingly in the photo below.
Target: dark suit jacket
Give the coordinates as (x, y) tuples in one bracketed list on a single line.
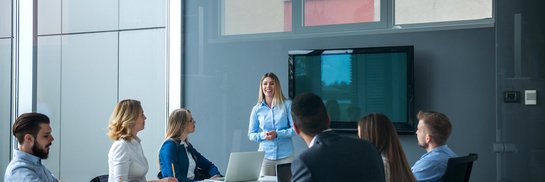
[(338, 158)]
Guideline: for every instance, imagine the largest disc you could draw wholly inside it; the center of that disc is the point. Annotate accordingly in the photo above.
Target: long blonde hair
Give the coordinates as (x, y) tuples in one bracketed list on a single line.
[(177, 122), (123, 119), (278, 99)]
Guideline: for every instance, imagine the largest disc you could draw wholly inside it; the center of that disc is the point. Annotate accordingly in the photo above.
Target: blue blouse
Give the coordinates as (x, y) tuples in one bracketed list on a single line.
[(172, 152), (433, 164), (277, 118)]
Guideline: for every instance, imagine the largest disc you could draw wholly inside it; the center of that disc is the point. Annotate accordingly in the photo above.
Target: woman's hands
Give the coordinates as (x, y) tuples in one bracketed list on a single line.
[(270, 135)]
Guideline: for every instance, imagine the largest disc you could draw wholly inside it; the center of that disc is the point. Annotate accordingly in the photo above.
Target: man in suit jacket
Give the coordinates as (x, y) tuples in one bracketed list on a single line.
[(330, 157)]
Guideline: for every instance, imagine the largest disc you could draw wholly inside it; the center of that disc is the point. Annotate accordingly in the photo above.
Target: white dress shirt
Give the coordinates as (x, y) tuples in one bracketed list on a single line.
[(126, 161)]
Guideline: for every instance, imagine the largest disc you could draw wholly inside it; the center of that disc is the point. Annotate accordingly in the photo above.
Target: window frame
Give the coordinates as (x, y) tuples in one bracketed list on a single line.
[(384, 26)]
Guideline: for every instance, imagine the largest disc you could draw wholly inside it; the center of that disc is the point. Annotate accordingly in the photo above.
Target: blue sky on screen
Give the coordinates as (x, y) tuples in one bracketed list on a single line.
[(336, 68)]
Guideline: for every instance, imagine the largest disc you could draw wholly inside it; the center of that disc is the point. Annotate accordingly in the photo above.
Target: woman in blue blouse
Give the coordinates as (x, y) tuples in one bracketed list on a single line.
[(177, 157), (271, 124)]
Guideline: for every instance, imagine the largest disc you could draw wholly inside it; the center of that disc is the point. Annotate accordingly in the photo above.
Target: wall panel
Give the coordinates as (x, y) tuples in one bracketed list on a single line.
[(48, 96), (141, 13), (88, 96), (5, 18), (142, 77), (87, 16), (49, 17), (5, 95)]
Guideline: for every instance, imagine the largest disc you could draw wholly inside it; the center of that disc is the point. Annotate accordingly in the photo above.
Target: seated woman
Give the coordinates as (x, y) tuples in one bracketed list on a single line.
[(177, 156), (377, 129), (126, 160)]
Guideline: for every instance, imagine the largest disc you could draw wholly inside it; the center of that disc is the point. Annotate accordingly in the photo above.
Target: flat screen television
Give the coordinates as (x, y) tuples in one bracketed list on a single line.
[(354, 82)]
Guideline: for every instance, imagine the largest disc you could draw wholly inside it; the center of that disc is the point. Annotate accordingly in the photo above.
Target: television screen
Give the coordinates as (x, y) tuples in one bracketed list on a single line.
[(354, 82)]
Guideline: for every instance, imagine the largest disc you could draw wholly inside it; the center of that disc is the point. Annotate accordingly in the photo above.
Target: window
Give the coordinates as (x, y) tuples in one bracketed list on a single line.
[(429, 11), (241, 17), (256, 16), (331, 12)]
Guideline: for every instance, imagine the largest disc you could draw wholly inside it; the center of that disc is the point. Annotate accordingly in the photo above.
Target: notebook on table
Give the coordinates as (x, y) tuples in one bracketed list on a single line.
[(243, 166)]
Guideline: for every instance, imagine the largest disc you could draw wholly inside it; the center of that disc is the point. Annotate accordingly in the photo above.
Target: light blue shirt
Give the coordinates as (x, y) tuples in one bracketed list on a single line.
[(27, 167), (277, 118), (433, 164)]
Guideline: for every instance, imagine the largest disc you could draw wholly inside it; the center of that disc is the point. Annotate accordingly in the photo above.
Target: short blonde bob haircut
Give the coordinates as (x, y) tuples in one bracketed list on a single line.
[(177, 122), (123, 119), (278, 99)]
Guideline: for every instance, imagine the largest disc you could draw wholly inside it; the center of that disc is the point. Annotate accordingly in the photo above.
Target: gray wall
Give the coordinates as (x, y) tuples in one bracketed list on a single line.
[(456, 73), (520, 53)]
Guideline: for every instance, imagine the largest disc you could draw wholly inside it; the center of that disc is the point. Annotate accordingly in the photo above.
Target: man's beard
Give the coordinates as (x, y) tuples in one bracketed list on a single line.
[(41, 153)]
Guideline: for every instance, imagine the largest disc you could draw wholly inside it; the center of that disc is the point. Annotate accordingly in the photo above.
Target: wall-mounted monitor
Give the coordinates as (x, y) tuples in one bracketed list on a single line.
[(354, 82)]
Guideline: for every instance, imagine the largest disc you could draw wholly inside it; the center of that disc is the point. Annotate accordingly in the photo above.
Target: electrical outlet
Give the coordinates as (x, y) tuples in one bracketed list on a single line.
[(511, 96)]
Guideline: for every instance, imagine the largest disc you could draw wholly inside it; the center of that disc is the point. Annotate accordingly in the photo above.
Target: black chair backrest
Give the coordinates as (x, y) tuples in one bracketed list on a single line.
[(459, 168), (101, 178)]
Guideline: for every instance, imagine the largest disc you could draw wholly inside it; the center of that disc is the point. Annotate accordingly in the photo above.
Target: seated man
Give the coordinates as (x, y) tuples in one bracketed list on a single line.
[(33, 133), (330, 157), (432, 133)]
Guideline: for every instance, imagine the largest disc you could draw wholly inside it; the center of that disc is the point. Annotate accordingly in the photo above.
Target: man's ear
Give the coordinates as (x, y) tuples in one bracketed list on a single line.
[(428, 138), (28, 139)]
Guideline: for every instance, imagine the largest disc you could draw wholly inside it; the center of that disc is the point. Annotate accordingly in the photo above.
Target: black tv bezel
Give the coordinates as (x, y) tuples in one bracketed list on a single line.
[(350, 127)]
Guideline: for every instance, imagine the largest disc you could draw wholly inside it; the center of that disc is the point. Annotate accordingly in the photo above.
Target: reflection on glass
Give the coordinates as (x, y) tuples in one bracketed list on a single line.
[(332, 12)]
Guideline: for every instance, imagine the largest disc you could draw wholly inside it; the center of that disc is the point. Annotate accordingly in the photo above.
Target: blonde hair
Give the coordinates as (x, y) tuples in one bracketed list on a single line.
[(177, 122), (278, 98), (123, 119)]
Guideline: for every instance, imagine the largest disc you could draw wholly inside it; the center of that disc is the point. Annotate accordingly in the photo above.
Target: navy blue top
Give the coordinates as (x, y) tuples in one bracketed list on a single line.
[(172, 152)]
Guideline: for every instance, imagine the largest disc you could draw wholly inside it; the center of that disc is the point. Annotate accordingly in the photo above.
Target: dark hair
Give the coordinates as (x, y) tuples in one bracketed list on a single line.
[(309, 113), (437, 124), (379, 130), (28, 123)]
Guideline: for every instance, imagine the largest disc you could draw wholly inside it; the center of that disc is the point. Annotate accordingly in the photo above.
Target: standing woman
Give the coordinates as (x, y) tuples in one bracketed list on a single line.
[(271, 124), (377, 129), (177, 157), (126, 160)]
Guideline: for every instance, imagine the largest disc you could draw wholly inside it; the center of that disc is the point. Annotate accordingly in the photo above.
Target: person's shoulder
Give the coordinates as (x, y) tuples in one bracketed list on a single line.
[(170, 143), (257, 106), (19, 170), (119, 147), (16, 164), (121, 143)]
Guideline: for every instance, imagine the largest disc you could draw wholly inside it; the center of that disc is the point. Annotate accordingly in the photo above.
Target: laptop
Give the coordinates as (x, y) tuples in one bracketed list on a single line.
[(283, 172), (243, 166)]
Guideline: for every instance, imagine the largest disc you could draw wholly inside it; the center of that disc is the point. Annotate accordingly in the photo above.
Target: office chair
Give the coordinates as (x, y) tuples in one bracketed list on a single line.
[(459, 168), (101, 178)]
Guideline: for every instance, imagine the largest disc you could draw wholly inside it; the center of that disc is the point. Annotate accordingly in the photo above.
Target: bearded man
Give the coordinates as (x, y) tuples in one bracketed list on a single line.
[(33, 134)]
